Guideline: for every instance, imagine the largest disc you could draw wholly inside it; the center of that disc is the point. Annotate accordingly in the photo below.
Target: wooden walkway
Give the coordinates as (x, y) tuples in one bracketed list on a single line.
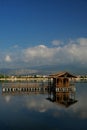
[(23, 88)]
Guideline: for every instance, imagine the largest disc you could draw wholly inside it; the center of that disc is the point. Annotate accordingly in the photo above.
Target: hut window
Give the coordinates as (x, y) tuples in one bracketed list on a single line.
[(65, 80), (59, 80)]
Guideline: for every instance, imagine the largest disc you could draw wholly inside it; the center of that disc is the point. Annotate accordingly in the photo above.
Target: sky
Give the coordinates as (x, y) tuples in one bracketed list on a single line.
[(43, 32)]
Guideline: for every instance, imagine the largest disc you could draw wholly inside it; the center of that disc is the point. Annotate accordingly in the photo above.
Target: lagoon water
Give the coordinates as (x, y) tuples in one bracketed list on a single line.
[(34, 111)]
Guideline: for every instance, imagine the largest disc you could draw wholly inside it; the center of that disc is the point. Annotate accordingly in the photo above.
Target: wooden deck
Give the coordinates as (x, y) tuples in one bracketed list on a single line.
[(14, 88), (25, 79)]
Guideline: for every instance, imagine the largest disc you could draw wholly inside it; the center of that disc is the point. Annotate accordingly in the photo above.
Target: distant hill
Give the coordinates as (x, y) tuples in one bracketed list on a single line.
[(47, 69)]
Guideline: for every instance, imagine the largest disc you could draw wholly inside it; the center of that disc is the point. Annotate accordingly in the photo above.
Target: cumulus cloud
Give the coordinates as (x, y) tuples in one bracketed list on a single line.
[(15, 46), (8, 58), (57, 42), (39, 51), (39, 55), (69, 53), (82, 41), (73, 52)]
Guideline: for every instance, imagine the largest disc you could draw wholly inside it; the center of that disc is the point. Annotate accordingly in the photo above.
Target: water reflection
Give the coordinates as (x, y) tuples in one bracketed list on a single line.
[(23, 88), (64, 96), (33, 111), (7, 98), (66, 99)]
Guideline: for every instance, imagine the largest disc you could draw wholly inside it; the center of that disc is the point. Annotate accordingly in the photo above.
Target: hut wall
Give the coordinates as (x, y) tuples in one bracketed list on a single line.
[(61, 82)]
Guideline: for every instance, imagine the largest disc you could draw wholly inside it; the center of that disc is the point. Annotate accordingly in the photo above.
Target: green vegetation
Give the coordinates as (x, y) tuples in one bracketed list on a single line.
[(3, 76)]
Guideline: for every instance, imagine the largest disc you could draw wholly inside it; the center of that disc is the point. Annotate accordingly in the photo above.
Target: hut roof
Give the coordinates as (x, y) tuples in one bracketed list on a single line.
[(62, 74)]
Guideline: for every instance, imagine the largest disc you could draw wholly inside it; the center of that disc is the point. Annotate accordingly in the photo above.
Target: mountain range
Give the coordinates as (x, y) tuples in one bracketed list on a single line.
[(47, 69)]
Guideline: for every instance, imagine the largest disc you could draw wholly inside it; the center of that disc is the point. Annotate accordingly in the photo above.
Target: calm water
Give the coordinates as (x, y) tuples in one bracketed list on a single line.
[(34, 111)]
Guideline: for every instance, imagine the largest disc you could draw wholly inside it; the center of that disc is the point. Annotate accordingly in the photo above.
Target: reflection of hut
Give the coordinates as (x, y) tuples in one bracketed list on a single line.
[(63, 98), (62, 79)]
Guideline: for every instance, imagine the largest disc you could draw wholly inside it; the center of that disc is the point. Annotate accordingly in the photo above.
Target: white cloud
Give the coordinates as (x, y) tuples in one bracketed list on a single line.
[(82, 41), (67, 54), (57, 42), (8, 58), (39, 54), (15, 46), (74, 52)]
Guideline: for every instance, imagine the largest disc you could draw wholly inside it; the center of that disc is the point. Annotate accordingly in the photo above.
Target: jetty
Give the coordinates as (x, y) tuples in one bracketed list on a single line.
[(24, 79), (23, 87)]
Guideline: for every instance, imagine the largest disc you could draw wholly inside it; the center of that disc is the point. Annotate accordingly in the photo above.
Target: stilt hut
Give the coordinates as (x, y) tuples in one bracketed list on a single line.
[(62, 79), (60, 87)]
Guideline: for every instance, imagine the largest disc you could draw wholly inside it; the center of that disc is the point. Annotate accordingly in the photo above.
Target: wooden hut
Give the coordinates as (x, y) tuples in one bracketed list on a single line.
[(60, 89), (61, 79)]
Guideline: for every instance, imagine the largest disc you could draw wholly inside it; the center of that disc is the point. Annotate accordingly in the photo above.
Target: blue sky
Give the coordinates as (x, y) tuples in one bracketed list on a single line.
[(30, 29)]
